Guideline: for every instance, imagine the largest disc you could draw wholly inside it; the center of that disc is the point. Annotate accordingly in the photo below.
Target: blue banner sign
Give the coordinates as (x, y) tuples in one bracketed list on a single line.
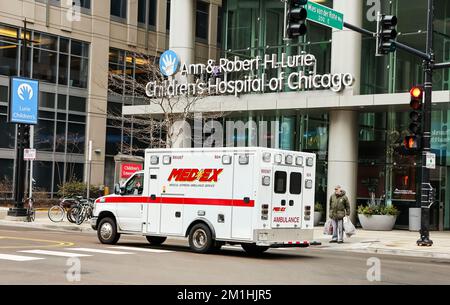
[(23, 101)]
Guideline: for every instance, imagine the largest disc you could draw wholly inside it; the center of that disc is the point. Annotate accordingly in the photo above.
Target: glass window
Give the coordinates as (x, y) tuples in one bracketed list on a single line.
[(135, 185), (113, 140), (119, 8), (44, 134), (62, 103), (60, 137), (77, 103), (64, 45), (63, 74), (42, 172), (8, 58), (47, 100), (45, 41), (168, 15), (280, 182), (85, 3), (75, 138), (295, 183), (44, 65), (202, 22), (219, 26), (6, 174), (58, 176), (4, 94), (142, 10), (78, 71), (79, 48), (74, 172), (8, 133), (152, 12)]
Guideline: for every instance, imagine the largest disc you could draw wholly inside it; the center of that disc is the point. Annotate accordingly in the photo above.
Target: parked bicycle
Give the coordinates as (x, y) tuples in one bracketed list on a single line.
[(57, 212), (82, 211)]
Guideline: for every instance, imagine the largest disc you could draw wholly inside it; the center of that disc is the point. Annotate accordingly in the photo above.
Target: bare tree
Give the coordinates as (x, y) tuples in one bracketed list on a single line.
[(151, 130)]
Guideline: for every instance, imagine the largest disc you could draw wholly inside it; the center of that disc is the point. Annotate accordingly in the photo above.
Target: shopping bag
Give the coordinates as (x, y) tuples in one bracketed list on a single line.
[(328, 228), (349, 228)]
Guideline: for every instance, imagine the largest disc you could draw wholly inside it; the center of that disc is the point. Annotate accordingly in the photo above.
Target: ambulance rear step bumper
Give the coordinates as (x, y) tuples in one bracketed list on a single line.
[(283, 238)]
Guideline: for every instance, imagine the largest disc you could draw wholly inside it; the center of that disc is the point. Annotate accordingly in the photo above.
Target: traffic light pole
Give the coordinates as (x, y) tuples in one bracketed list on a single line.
[(425, 195)]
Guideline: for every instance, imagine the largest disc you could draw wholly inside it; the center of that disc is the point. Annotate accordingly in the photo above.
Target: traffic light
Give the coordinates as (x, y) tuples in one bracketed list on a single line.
[(415, 115), (386, 31), (412, 143), (296, 17)]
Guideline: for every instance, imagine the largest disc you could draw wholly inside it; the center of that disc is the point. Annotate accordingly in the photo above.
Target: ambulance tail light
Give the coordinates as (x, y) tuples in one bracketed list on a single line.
[(264, 212), (266, 180), (307, 212)]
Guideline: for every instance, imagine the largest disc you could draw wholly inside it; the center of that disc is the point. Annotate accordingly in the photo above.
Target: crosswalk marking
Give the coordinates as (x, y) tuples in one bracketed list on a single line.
[(141, 249), (18, 258), (55, 253), (98, 251)]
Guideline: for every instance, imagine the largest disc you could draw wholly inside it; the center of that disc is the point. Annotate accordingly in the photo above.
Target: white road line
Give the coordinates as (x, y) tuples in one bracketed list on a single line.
[(55, 253), (141, 249), (18, 258), (98, 251)]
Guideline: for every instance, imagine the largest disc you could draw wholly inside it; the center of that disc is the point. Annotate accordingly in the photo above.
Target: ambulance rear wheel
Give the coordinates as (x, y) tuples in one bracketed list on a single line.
[(253, 249), (200, 238), (107, 231), (155, 240)]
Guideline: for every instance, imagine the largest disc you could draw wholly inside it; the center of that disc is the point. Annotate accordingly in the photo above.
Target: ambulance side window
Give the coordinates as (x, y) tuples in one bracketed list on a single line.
[(280, 182), (135, 185), (295, 183)]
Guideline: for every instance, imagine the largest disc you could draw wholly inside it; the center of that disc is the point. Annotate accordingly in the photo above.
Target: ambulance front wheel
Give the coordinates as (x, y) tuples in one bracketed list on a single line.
[(253, 249), (155, 240), (107, 231), (200, 238)]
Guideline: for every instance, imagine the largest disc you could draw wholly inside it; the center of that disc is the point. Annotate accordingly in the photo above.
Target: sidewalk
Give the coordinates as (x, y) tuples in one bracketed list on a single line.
[(43, 222), (397, 242)]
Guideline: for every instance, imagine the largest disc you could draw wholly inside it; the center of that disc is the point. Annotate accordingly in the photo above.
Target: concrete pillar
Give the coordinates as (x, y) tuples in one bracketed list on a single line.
[(97, 97), (182, 29), (343, 134), (343, 154), (346, 44), (182, 42)]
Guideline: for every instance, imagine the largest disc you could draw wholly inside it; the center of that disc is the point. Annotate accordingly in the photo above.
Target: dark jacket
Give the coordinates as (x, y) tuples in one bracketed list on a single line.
[(339, 206)]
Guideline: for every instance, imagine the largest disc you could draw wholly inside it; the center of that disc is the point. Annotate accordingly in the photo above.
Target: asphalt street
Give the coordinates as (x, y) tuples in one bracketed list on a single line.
[(30, 256)]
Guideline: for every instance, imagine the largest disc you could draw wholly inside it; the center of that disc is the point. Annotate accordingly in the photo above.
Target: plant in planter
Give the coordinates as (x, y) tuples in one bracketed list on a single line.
[(318, 211), (377, 217)]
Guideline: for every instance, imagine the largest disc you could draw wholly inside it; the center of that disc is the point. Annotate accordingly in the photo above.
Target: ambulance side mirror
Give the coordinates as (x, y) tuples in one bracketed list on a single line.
[(117, 189)]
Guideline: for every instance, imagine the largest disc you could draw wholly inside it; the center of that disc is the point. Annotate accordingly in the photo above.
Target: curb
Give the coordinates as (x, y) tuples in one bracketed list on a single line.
[(52, 227), (396, 252)]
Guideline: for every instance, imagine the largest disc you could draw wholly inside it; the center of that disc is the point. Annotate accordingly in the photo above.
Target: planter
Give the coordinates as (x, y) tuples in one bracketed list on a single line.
[(377, 222), (317, 218)]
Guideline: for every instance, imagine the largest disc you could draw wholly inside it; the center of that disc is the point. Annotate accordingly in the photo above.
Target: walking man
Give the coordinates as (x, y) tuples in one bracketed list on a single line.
[(339, 208)]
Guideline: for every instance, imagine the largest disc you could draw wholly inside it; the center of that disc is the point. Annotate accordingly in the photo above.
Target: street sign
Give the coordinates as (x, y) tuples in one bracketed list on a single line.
[(431, 161), (23, 101), (29, 154), (324, 15)]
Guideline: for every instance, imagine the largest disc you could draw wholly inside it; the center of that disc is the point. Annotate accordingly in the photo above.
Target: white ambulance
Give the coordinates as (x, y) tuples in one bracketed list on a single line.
[(256, 197)]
